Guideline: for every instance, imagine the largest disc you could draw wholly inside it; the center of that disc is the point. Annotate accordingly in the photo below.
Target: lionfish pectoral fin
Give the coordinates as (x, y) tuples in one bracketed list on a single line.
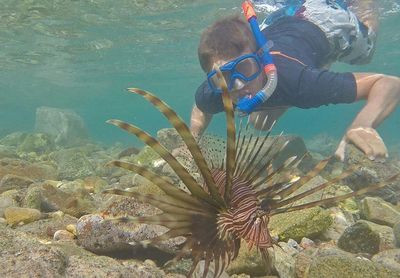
[(164, 219), (159, 181), (187, 137), (195, 189), (287, 164), (336, 199), (165, 203)]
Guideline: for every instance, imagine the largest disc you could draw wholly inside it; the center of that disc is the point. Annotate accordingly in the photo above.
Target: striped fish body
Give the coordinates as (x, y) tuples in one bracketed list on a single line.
[(241, 219)]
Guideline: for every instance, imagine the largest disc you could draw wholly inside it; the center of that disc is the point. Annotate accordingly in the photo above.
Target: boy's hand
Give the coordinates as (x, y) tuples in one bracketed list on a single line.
[(367, 140)]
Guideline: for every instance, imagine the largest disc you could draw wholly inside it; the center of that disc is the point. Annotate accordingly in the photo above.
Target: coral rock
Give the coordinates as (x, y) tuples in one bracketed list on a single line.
[(15, 215)]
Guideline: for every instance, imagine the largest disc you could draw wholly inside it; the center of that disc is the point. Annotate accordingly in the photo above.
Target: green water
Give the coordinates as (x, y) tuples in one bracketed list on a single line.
[(81, 55)]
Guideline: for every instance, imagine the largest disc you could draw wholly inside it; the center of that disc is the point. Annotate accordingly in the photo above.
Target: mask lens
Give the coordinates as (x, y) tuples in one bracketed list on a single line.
[(248, 67), (216, 82)]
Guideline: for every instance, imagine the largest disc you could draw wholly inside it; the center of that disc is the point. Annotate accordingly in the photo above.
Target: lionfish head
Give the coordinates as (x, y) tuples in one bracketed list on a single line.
[(235, 197)]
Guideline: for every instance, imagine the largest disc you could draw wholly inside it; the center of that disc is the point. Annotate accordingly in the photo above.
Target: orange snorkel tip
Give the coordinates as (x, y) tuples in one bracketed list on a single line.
[(248, 10)]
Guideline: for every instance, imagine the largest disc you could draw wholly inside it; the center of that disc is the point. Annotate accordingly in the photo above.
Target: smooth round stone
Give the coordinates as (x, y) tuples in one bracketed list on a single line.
[(16, 215), (63, 235)]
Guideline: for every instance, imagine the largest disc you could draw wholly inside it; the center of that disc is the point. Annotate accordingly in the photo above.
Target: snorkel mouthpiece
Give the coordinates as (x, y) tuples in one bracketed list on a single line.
[(249, 104)]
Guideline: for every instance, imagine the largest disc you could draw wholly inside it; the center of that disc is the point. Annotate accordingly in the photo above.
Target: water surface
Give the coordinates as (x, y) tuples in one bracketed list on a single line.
[(81, 55)]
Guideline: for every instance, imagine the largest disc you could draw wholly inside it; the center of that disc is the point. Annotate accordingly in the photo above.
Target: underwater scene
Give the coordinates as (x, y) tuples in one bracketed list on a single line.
[(101, 176)]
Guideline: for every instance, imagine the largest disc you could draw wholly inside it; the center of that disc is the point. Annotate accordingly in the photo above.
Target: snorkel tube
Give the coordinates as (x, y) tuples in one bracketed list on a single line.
[(247, 104)]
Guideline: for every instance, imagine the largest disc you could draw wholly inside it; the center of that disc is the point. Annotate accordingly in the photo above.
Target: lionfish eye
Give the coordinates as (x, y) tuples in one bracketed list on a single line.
[(265, 205)]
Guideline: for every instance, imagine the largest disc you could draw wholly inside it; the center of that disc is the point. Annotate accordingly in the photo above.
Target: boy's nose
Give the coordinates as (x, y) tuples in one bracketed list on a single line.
[(238, 84)]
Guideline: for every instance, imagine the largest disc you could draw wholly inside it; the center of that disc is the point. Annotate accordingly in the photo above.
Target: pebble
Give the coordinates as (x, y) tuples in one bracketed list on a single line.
[(63, 235), (307, 243), (72, 229), (57, 215)]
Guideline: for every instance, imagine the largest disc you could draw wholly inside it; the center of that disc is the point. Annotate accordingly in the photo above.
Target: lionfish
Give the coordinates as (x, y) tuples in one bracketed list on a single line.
[(235, 198)]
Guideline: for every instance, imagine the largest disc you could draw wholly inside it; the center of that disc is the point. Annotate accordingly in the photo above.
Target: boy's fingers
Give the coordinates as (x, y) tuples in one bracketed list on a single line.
[(341, 150), (379, 148), (368, 141), (359, 138)]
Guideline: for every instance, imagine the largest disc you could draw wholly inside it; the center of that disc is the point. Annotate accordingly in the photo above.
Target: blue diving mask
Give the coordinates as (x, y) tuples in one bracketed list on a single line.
[(237, 72)]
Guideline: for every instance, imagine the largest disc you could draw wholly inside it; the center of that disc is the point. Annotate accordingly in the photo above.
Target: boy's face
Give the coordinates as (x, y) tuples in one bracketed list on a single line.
[(242, 88)]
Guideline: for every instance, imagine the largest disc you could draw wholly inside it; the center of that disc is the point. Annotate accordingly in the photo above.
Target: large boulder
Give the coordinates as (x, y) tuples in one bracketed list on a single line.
[(66, 126)]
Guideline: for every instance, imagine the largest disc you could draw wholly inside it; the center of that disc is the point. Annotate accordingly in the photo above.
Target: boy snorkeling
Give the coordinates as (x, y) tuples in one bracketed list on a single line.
[(308, 36)]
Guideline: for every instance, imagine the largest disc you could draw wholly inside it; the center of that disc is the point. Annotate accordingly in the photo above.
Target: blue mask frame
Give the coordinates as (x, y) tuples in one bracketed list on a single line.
[(234, 73)]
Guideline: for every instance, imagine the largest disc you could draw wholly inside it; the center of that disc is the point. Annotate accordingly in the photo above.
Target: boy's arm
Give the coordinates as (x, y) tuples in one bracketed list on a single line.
[(198, 124), (199, 121), (382, 95)]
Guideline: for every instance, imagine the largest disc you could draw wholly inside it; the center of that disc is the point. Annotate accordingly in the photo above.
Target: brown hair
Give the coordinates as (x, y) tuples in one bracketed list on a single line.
[(226, 38)]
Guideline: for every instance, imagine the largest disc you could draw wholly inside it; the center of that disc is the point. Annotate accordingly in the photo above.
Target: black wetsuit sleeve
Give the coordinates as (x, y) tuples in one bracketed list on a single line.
[(208, 101)]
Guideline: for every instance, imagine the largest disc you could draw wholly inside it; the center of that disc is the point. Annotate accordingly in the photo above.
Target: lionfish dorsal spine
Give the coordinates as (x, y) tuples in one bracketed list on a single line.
[(265, 163), (187, 137), (253, 160), (303, 180), (313, 190), (336, 199), (166, 203), (230, 135)]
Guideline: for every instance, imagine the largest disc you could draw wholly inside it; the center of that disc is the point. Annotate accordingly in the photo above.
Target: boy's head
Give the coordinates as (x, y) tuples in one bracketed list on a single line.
[(224, 40)]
